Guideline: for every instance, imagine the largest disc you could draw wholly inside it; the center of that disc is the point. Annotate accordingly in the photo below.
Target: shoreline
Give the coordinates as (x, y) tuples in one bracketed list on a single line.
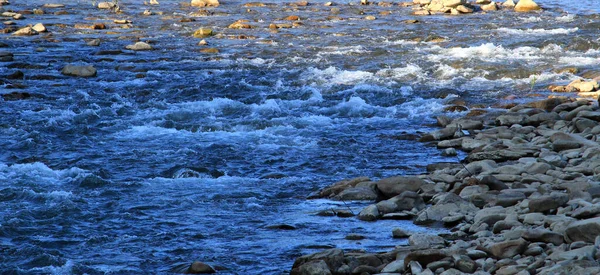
[(525, 201)]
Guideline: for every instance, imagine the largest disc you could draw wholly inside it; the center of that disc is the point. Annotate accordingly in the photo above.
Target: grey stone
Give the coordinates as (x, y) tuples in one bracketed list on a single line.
[(315, 268), (543, 235), (394, 186), (426, 241), (369, 213), (508, 249), (81, 71), (584, 230), (584, 253), (548, 202)]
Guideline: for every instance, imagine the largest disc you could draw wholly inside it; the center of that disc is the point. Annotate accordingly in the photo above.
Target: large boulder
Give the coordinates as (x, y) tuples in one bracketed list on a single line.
[(584, 230), (82, 71), (405, 201), (390, 187), (315, 268)]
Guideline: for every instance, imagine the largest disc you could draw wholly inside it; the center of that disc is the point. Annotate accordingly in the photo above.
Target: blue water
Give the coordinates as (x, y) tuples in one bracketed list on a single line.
[(172, 155)]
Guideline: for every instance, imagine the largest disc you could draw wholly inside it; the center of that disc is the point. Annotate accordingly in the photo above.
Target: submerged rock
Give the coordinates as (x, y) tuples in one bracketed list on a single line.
[(81, 71), (200, 268)]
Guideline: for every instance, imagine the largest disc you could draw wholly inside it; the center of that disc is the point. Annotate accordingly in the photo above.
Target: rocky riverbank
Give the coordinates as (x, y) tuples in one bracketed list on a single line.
[(525, 200)]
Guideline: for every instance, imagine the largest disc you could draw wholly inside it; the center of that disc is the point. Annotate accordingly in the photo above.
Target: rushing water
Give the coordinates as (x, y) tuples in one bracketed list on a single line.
[(172, 155)]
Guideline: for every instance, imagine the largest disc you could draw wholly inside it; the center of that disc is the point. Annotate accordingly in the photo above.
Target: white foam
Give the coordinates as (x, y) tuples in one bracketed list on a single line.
[(538, 31), (349, 50), (420, 107), (334, 76), (38, 173), (531, 19), (566, 18), (408, 72)]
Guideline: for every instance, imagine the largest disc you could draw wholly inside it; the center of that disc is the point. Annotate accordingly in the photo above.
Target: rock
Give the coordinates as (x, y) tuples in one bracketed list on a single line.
[(426, 241), (396, 266), (490, 7), (139, 46), (543, 235), (205, 3), (338, 187), (509, 4), (548, 202), (53, 6), (583, 253), (526, 6), (16, 96), (451, 203), (281, 227), (453, 3), (39, 27), (370, 213), (210, 50), (25, 32), (356, 237), (441, 134), (315, 268), (398, 233), (493, 183), (584, 86), (93, 42), (390, 187), (508, 249), (357, 194), (464, 9), (464, 263), (333, 258), (240, 24), (81, 71), (200, 268), (425, 257), (202, 33), (584, 230), (106, 5), (6, 56)]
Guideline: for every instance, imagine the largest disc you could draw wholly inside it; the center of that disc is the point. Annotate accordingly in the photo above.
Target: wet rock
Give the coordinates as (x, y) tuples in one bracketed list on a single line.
[(508, 249), (354, 237), (340, 186), (93, 42), (6, 56), (584, 230), (527, 6), (357, 194), (390, 187), (548, 202), (200, 268), (584, 86), (490, 7), (240, 24), (81, 71), (205, 3), (106, 5), (25, 32), (370, 213), (202, 33), (398, 233), (210, 50), (139, 46), (16, 96), (281, 227), (333, 259), (39, 27)]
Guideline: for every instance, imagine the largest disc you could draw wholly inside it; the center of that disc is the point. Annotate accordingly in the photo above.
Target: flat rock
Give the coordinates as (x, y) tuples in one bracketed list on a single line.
[(584, 230), (139, 46), (508, 249), (394, 186), (81, 71), (548, 202)]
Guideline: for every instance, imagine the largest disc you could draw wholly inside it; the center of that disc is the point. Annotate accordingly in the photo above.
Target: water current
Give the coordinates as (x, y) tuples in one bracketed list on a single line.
[(172, 155)]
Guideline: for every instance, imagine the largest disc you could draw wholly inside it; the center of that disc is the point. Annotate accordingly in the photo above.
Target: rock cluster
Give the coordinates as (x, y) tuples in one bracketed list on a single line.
[(526, 200), (427, 7)]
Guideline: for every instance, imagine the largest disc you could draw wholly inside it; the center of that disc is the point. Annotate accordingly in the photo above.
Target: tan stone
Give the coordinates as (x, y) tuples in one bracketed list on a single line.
[(489, 7), (25, 31), (509, 4), (39, 27), (464, 9), (203, 32), (527, 6), (205, 3)]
